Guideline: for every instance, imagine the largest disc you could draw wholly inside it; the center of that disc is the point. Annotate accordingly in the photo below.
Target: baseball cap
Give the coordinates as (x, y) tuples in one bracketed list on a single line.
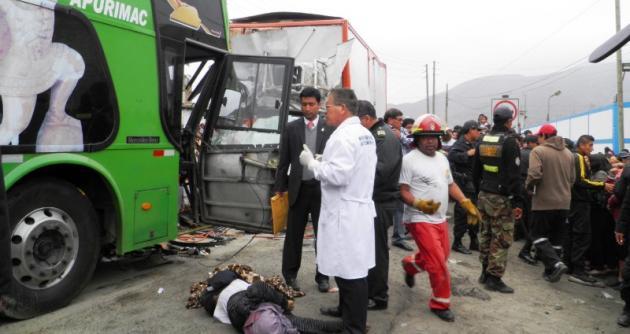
[(547, 129), (469, 125)]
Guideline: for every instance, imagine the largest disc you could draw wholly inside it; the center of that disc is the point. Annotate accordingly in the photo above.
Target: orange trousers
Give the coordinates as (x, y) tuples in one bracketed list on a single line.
[(433, 252)]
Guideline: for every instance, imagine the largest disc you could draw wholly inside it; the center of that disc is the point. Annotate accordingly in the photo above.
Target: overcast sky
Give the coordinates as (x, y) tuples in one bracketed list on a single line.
[(468, 39)]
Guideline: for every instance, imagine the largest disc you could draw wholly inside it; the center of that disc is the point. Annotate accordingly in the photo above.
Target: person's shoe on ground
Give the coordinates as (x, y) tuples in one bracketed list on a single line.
[(376, 305), (583, 278), (323, 286), (402, 245), (292, 282), (445, 315), (558, 270), (624, 319), (410, 280), (330, 311), (460, 248), (494, 283)]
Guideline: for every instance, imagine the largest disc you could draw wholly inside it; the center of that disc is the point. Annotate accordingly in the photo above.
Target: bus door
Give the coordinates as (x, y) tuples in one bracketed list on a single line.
[(240, 155)]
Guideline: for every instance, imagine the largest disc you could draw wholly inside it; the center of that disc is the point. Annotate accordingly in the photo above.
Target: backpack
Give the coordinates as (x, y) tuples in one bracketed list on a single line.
[(268, 318)]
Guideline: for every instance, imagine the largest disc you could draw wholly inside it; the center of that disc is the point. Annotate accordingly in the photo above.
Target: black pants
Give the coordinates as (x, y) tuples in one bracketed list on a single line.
[(604, 250), (578, 237), (353, 300), (308, 201), (548, 228), (625, 284), (526, 225), (6, 271), (378, 276), (461, 222)]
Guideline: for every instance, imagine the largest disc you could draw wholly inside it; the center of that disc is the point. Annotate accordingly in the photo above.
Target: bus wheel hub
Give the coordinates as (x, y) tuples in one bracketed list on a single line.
[(44, 246)]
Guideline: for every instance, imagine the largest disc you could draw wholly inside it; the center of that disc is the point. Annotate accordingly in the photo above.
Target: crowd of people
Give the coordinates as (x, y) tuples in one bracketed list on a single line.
[(371, 173), (567, 204)]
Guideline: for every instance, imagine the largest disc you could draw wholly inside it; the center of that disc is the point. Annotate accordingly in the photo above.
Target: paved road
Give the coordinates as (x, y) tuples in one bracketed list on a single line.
[(123, 298)]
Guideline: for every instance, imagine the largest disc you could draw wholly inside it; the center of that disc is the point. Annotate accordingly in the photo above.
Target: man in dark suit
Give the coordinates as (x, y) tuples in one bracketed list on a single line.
[(304, 189)]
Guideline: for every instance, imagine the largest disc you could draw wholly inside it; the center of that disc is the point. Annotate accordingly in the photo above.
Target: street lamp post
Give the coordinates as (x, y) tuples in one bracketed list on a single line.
[(549, 102)]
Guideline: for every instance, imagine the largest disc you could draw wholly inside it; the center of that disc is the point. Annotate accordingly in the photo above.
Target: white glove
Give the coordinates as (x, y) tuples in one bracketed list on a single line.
[(307, 159)]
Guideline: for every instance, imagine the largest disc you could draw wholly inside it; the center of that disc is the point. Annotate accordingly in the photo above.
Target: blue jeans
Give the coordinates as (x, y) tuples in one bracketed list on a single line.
[(399, 229)]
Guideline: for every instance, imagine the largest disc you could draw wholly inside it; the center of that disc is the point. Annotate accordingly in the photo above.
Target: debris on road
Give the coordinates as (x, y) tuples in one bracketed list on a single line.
[(473, 292), (607, 295), (578, 301)]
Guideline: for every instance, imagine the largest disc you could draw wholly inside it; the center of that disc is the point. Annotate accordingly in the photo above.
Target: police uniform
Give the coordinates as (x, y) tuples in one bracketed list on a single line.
[(461, 167), (496, 173), (387, 202)]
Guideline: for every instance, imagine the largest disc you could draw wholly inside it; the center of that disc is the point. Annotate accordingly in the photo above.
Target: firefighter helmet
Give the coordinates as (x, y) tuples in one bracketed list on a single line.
[(427, 125)]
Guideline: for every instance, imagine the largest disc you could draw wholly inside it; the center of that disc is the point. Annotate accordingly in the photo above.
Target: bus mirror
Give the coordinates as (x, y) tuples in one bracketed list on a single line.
[(297, 75)]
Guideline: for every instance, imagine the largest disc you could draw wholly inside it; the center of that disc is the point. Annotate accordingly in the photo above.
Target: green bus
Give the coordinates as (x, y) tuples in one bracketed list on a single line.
[(111, 110)]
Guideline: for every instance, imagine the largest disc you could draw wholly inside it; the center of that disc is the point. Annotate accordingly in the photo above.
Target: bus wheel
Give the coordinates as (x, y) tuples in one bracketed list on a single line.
[(54, 245)]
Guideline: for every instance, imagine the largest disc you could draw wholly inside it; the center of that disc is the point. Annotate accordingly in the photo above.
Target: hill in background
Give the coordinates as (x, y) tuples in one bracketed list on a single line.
[(583, 88)]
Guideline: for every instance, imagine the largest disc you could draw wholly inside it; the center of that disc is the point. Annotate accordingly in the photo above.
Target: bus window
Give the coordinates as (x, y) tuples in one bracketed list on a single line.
[(250, 109), (55, 87), (187, 67)]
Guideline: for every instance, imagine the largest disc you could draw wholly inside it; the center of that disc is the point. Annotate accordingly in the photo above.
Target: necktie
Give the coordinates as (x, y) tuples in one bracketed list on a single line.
[(310, 125)]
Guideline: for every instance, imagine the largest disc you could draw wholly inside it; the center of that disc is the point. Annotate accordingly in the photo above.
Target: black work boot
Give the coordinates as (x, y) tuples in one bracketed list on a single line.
[(410, 280), (624, 318), (445, 315), (494, 283), (460, 248), (483, 276)]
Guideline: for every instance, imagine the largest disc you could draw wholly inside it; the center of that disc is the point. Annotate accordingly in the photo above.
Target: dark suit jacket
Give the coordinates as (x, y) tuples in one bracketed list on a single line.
[(290, 149)]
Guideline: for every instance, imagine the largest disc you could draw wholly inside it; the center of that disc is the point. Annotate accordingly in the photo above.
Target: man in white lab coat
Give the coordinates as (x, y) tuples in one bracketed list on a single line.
[(345, 241)]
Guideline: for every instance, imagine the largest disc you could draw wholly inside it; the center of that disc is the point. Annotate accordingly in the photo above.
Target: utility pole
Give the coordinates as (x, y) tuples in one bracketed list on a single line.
[(434, 86), (620, 133), (446, 107), (426, 72), (524, 111)]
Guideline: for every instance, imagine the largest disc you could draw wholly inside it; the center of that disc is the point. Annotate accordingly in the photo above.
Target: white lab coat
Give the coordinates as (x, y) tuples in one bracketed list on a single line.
[(345, 236)]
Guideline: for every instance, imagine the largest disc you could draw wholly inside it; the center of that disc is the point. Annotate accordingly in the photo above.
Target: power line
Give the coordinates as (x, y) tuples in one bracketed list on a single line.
[(535, 46)]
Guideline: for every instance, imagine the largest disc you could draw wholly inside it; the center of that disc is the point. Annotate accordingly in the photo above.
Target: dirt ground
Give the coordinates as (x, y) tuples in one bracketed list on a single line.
[(124, 298)]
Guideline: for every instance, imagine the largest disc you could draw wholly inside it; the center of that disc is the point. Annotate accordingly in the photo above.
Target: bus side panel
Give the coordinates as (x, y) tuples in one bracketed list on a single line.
[(140, 158)]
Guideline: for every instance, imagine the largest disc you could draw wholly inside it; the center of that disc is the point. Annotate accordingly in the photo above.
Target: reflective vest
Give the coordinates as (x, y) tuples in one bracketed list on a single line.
[(490, 151)]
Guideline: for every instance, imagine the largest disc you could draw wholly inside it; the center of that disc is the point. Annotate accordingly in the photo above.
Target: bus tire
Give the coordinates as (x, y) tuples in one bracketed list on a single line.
[(54, 245)]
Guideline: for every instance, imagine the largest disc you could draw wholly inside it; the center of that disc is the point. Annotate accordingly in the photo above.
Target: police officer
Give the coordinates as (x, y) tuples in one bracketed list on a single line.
[(461, 157), (496, 174), (386, 200)]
